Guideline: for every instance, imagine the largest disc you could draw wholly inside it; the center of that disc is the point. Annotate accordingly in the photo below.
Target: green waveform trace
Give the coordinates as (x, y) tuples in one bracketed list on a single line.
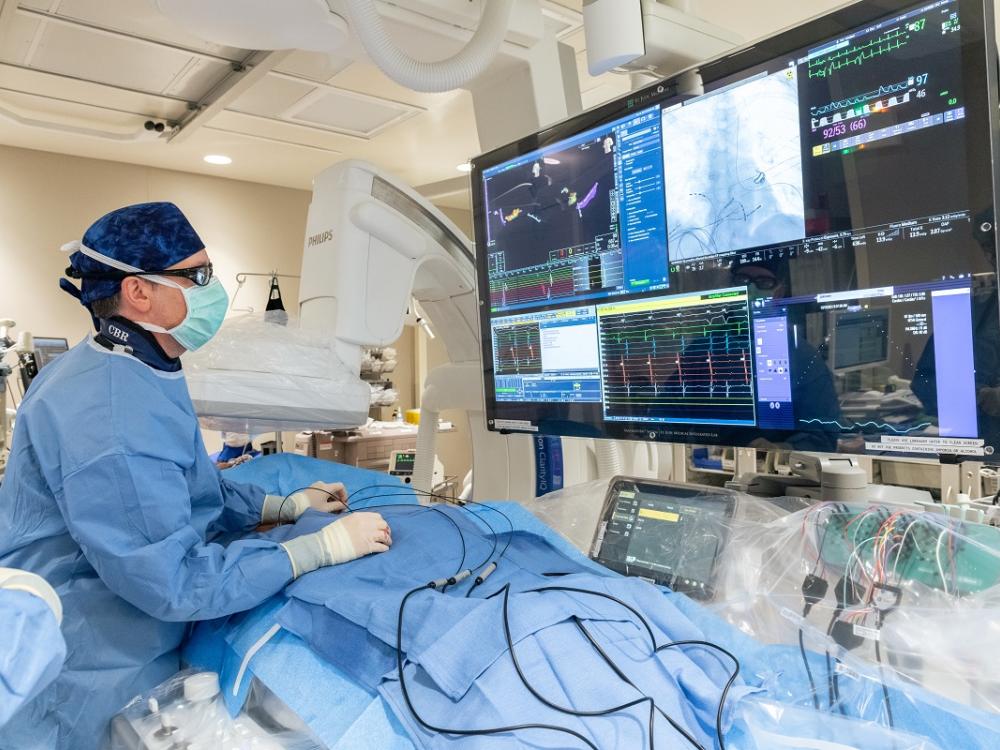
[(895, 39)]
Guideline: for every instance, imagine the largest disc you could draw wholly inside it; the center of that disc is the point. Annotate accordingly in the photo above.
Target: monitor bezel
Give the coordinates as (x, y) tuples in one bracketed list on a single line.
[(982, 106)]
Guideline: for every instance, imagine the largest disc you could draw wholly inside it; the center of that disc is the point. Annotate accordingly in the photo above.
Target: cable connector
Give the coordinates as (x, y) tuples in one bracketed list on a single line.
[(486, 573), (845, 594), (438, 583), (460, 577), (843, 633), (814, 589), (886, 598)]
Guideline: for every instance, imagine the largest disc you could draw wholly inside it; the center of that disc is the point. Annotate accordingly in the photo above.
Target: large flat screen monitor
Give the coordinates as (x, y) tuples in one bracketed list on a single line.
[(799, 254)]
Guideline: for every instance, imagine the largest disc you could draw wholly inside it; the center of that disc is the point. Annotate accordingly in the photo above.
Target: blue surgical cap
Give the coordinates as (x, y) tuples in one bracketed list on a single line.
[(146, 236)]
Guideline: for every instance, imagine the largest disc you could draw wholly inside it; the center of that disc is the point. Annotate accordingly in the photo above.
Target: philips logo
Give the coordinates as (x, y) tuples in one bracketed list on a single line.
[(118, 333), (319, 239)]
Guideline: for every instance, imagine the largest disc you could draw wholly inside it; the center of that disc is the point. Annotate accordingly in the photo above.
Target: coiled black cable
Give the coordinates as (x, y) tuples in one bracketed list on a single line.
[(505, 591), (463, 732)]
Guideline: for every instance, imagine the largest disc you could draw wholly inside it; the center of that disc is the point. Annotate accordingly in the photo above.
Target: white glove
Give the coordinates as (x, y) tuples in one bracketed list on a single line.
[(346, 539), (328, 497), (21, 580)]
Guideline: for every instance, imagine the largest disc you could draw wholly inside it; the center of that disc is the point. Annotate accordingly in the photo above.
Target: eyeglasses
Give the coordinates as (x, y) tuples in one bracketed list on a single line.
[(764, 283), (199, 275)]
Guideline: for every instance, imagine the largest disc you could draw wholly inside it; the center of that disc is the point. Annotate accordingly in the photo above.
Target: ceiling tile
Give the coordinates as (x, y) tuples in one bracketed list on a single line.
[(14, 44), (120, 62), (342, 111), (314, 65), (47, 85), (271, 96), (196, 78), (138, 17)]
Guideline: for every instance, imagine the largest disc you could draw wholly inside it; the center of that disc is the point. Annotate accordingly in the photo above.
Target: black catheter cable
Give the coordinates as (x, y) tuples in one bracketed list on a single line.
[(729, 683), (656, 649), (555, 706), (462, 504), (485, 569), (462, 732)]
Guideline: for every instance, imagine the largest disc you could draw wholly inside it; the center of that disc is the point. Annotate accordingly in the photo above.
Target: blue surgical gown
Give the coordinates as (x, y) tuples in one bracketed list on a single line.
[(31, 649), (111, 496)]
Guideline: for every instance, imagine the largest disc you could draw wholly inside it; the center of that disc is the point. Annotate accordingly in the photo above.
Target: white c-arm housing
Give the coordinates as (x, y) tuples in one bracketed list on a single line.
[(372, 246)]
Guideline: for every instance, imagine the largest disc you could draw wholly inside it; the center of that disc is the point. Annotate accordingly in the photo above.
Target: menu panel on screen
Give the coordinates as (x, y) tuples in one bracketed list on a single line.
[(800, 254)]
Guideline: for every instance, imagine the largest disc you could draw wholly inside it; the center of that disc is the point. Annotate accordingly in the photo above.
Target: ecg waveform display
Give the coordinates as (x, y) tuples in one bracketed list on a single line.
[(570, 271), (862, 99), (889, 80), (680, 359), (532, 286), (517, 349), (824, 66), (856, 113)]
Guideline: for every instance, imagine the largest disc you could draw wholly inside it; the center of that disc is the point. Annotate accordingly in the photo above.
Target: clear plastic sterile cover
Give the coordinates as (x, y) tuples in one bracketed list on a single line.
[(260, 376), (914, 593), (166, 718), (897, 609)]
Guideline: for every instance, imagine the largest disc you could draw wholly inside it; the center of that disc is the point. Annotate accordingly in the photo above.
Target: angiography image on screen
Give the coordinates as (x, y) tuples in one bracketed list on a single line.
[(733, 168), (562, 204), (580, 220)]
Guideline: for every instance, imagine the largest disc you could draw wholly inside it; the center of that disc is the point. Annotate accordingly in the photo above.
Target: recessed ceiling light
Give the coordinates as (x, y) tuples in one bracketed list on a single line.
[(467, 167), (218, 159)]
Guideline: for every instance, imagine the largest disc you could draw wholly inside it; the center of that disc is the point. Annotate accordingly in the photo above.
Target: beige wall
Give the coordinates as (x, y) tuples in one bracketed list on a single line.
[(48, 199)]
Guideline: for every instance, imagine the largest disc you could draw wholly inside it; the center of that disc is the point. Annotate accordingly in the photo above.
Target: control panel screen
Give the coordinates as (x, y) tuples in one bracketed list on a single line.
[(655, 532)]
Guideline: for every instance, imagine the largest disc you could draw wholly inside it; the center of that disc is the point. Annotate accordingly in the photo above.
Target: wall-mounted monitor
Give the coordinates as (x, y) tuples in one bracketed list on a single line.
[(799, 254)]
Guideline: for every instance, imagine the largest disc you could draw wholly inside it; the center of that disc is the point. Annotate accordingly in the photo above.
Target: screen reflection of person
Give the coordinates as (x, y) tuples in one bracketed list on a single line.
[(986, 350), (814, 395)]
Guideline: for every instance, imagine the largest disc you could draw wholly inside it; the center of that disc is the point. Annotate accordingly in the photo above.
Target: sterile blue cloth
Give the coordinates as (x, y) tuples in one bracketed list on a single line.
[(150, 236), (32, 649), (426, 545), (110, 495), (229, 452), (219, 646), (349, 615), (456, 685), (470, 662)]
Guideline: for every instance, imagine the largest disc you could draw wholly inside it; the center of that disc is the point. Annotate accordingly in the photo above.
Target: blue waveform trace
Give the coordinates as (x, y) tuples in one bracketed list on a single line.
[(853, 101), (876, 425)]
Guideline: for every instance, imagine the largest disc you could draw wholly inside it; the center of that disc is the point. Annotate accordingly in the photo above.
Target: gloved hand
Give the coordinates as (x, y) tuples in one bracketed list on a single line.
[(328, 497), (353, 536), (21, 580)]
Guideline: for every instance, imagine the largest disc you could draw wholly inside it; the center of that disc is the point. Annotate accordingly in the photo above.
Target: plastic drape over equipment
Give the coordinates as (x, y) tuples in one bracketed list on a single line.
[(887, 615), (187, 711), (259, 376), (915, 595)]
